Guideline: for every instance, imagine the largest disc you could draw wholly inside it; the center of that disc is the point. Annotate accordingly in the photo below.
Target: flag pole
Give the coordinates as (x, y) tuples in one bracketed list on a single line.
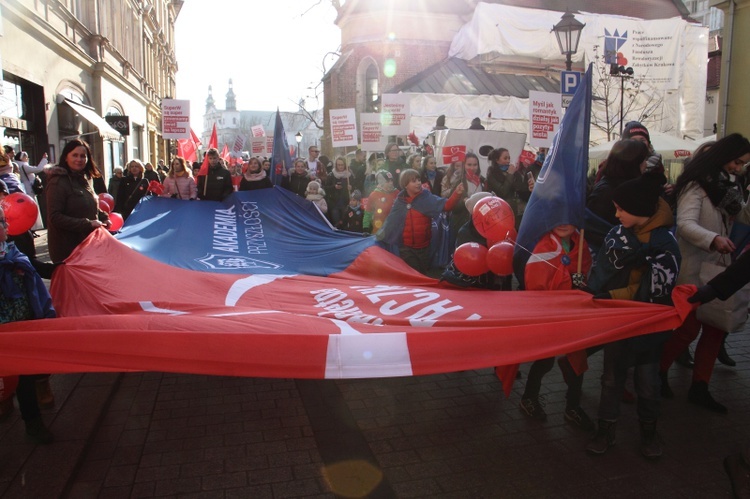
[(580, 250)]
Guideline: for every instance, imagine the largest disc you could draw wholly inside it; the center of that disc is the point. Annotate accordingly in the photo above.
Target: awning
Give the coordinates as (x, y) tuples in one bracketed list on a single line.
[(89, 114)]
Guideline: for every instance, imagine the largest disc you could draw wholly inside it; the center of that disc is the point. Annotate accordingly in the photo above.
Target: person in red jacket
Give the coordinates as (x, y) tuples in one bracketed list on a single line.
[(409, 224)]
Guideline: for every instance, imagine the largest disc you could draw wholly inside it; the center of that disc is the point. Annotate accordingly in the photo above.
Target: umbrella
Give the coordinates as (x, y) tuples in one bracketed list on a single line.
[(670, 147)]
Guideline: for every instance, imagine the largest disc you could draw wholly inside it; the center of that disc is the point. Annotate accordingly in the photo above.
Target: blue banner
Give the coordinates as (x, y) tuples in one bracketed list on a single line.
[(559, 195), (265, 231), (281, 160)]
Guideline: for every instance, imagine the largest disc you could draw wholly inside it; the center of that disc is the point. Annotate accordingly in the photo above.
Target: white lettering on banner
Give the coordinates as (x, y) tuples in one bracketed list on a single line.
[(254, 237), (225, 231), (336, 305)]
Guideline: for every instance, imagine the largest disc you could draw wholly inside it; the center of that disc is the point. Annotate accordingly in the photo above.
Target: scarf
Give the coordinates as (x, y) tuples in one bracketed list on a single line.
[(723, 193), (473, 177), (254, 177), (431, 174), (344, 174)]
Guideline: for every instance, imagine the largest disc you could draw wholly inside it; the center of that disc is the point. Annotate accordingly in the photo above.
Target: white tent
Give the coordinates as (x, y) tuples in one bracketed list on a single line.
[(670, 147)]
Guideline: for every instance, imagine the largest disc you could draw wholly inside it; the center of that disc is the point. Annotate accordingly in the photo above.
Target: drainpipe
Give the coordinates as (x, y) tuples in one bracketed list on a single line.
[(727, 65)]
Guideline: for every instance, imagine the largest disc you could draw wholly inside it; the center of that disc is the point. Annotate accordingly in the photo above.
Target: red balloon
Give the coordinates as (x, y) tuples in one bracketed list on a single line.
[(20, 212), (471, 259), (156, 187), (500, 258), (109, 200), (115, 221), (493, 218), (511, 236), (104, 206)]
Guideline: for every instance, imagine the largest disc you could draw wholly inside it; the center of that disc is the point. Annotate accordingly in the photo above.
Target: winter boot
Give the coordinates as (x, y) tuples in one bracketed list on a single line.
[(699, 395), (685, 359), (604, 438), (650, 441), (37, 432)]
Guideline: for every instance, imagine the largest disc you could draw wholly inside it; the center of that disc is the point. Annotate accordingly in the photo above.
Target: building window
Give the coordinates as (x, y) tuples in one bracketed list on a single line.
[(372, 96), (136, 142)]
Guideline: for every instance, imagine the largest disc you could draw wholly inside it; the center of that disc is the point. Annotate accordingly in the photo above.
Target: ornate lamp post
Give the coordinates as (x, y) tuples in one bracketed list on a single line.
[(568, 33), (298, 138)]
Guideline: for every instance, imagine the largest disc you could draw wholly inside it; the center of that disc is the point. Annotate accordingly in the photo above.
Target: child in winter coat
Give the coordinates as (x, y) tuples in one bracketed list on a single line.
[(317, 195), (409, 224), (639, 260), (354, 213), (380, 202)]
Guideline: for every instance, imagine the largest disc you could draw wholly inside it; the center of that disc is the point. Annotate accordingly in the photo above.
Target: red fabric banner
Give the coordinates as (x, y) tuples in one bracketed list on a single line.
[(123, 311)]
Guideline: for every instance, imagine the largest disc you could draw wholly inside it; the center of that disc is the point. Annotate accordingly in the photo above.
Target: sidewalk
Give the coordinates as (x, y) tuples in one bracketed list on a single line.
[(448, 435)]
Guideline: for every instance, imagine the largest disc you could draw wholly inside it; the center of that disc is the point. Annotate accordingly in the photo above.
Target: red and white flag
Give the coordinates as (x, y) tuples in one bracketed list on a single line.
[(213, 142), (225, 153)]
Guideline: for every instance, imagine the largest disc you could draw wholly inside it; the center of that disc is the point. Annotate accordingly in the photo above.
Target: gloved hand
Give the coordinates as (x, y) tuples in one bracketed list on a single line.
[(704, 294), (579, 280)]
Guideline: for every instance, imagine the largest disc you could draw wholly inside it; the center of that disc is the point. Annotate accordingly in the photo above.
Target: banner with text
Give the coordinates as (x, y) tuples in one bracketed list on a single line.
[(258, 131), (175, 119), (258, 146), (545, 113), (343, 127), (373, 139), (395, 115)]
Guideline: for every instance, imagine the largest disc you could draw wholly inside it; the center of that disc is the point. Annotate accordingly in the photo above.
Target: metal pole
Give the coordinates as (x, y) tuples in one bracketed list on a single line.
[(568, 62), (622, 100)]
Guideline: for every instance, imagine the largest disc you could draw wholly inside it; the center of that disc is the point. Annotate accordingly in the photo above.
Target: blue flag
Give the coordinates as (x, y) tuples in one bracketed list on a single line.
[(559, 195), (281, 160)]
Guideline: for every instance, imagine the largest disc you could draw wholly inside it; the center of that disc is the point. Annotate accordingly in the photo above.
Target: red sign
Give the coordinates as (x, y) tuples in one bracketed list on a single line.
[(453, 153)]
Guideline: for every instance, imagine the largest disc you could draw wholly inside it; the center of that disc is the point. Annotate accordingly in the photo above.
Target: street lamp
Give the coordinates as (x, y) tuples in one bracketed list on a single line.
[(568, 33), (298, 138), (623, 73)]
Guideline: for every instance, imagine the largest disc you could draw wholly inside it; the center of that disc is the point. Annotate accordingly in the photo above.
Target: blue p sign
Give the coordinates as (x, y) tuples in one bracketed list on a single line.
[(569, 81)]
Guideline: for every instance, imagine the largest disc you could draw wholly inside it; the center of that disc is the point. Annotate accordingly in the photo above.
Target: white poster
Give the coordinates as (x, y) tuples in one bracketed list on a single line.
[(372, 139), (239, 144), (395, 114), (175, 119), (545, 113), (258, 146), (343, 127), (258, 131)]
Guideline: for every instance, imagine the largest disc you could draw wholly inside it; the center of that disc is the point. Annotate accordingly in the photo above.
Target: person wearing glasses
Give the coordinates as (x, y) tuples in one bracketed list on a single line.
[(708, 203), (316, 167)]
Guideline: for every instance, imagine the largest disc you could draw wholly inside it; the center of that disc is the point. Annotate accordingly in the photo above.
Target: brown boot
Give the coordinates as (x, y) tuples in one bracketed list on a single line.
[(44, 394)]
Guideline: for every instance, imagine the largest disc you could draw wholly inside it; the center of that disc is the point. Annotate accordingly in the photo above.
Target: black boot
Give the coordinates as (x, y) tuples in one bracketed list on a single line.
[(604, 437), (699, 395), (650, 441), (37, 432), (666, 390), (723, 356), (685, 359)]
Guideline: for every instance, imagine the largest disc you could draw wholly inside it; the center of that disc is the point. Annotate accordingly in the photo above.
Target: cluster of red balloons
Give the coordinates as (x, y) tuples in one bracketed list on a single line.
[(155, 188), (107, 204), (20, 212), (494, 219)]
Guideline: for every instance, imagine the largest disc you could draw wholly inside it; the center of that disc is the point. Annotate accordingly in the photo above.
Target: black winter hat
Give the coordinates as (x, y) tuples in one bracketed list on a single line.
[(634, 128), (639, 196)]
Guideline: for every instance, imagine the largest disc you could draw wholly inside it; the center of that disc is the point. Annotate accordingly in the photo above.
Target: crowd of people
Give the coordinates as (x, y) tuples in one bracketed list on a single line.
[(643, 237)]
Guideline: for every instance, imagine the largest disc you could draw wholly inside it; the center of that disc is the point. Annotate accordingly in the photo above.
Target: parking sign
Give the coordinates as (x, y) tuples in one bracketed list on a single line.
[(569, 81)]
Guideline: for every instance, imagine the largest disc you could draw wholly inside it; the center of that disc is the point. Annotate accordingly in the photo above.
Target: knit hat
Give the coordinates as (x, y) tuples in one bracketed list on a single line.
[(472, 200), (635, 128), (4, 188), (639, 196), (313, 184), (356, 195), (383, 176)]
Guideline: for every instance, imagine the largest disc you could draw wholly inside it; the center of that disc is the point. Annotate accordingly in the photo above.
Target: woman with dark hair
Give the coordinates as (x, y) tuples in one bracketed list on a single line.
[(626, 161), (255, 177), (506, 181), (132, 188), (708, 203), (431, 176), (72, 207)]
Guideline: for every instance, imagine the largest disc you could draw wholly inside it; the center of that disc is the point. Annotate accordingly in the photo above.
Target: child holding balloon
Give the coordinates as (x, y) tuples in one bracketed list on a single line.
[(409, 223), (555, 260)]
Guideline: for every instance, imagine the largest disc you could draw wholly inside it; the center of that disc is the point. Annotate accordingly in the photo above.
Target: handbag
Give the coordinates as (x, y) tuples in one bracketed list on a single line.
[(728, 315), (37, 186)]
